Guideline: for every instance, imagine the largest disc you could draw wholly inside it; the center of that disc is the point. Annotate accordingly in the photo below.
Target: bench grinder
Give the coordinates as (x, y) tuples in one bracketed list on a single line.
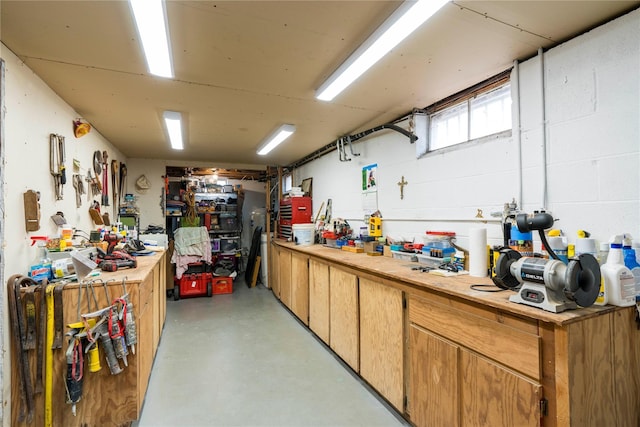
[(548, 284)]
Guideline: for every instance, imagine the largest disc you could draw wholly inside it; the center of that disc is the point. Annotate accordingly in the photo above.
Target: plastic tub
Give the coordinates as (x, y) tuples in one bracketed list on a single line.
[(304, 234)]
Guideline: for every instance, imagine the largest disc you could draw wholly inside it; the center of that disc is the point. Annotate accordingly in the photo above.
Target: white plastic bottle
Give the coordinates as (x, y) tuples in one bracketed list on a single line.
[(631, 261), (619, 283)]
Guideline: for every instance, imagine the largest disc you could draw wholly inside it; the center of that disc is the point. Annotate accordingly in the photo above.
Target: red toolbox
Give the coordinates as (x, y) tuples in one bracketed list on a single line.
[(193, 285), (294, 210), (222, 285)]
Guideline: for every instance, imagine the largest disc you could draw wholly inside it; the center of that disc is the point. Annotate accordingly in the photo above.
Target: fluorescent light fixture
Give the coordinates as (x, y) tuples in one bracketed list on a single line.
[(280, 134), (173, 123), (408, 17), (152, 28)]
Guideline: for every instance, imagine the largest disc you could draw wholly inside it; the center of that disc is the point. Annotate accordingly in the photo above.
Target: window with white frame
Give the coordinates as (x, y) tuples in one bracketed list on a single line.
[(479, 115), (287, 182)]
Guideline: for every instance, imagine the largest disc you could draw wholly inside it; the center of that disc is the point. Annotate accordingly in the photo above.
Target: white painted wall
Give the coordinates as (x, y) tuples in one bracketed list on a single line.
[(32, 112), (593, 159)]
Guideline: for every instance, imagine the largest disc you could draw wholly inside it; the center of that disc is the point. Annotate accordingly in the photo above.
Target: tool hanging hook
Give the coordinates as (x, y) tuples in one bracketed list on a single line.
[(341, 153), (342, 149), (348, 138)]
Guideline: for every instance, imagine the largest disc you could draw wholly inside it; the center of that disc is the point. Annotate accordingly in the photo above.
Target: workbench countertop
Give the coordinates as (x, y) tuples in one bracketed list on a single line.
[(396, 270)]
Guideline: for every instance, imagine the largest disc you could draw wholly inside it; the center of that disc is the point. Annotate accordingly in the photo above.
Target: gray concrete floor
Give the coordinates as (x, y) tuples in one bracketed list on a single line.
[(243, 360)]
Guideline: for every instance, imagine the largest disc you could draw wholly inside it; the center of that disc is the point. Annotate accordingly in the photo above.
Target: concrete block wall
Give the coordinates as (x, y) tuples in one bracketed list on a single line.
[(592, 102)]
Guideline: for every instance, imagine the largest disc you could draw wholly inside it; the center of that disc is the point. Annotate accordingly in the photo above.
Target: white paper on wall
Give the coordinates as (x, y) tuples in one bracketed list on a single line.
[(370, 189)]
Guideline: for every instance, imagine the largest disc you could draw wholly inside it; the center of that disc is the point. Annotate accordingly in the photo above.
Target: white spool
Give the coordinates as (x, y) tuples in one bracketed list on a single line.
[(478, 252)]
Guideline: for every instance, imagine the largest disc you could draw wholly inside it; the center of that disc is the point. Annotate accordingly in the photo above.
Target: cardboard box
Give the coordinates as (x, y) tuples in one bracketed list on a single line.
[(370, 246), (386, 251)]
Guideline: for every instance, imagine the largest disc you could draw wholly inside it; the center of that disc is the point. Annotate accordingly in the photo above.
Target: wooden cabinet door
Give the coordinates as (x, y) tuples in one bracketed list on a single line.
[(274, 269), (343, 316), (433, 380), (161, 286), (284, 274), (144, 351), (300, 287), (319, 299), (381, 340), (156, 306), (491, 395), (450, 385)]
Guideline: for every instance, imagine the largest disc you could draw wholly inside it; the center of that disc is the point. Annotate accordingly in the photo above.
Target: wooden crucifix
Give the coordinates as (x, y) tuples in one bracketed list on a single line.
[(402, 183)]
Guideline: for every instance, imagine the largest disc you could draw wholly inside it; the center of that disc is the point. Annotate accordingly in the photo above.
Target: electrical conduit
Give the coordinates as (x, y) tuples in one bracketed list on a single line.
[(544, 130), (515, 91)]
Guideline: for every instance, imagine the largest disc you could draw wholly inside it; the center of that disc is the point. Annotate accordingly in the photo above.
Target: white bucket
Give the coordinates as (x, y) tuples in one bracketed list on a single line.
[(304, 234)]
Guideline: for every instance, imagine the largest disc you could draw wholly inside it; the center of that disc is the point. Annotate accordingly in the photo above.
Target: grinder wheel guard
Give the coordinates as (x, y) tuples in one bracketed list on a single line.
[(583, 280), (503, 278)]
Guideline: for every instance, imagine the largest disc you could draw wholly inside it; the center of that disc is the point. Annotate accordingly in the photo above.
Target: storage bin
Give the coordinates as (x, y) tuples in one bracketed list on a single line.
[(222, 285), (228, 222), (198, 267), (228, 244), (193, 285)]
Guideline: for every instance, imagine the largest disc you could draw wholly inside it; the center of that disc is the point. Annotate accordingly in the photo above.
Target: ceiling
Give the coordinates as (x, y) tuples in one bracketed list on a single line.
[(244, 67)]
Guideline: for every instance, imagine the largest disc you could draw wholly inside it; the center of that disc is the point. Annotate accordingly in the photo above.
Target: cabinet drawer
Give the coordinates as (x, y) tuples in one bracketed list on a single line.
[(518, 349)]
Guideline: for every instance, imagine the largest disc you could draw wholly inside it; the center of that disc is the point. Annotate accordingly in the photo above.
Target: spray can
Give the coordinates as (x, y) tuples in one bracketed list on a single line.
[(630, 260), (619, 283)]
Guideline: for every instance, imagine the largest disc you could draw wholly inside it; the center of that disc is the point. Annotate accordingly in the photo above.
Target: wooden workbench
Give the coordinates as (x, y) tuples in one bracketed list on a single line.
[(113, 400), (442, 353)]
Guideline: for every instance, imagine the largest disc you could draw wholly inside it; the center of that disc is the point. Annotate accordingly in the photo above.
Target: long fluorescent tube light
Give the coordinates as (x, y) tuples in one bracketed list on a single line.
[(277, 137), (408, 17), (173, 123), (152, 27)]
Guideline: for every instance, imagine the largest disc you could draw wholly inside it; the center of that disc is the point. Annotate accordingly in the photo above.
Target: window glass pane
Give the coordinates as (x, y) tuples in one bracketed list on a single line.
[(485, 114), (286, 183), (490, 112), (449, 127)]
